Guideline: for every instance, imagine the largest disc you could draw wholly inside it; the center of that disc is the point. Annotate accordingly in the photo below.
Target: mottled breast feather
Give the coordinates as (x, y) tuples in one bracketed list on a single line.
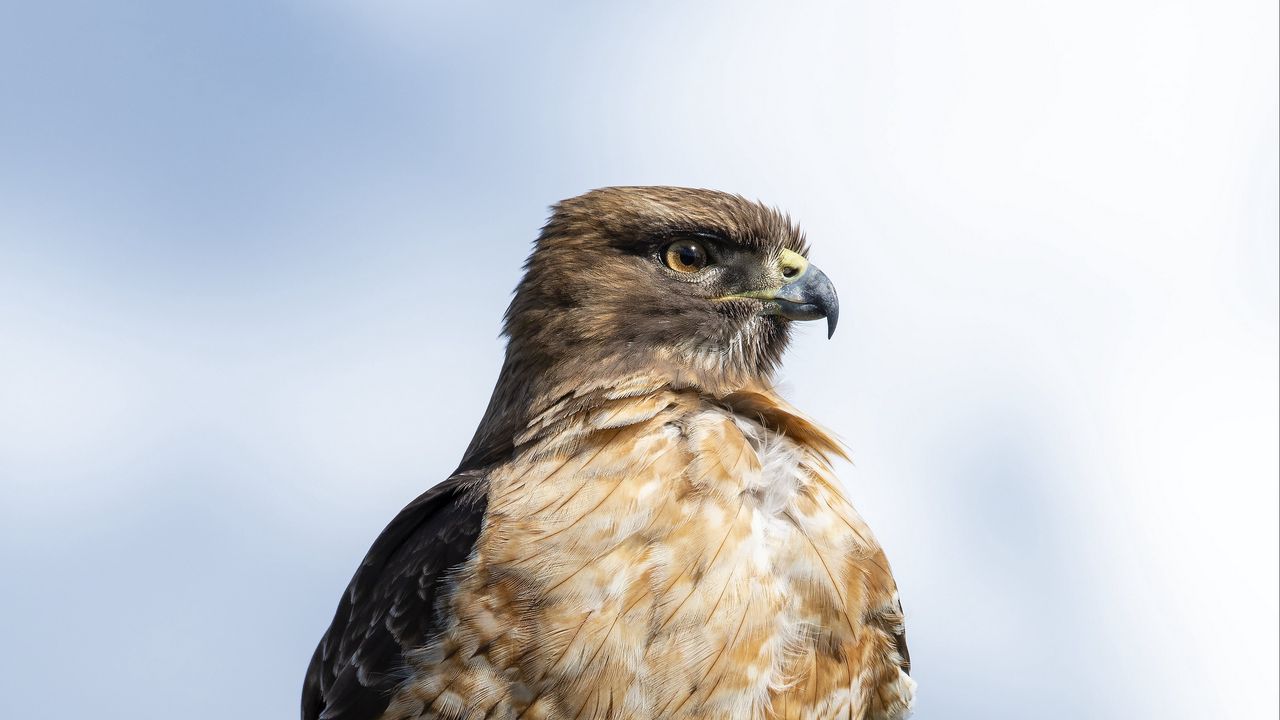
[(658, 553)]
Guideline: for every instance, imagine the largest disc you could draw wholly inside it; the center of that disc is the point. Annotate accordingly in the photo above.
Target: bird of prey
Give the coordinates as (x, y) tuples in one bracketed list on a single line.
[(641, 527)]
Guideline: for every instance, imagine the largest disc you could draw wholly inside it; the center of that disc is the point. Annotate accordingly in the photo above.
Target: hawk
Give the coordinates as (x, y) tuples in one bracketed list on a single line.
[(641, 527)]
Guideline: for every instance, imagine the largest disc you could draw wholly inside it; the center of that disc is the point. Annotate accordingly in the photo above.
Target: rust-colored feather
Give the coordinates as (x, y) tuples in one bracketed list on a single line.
[(661, 583)]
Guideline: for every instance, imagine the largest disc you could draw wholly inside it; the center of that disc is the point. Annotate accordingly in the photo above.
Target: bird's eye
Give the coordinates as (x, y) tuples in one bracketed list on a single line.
[(685, 256)]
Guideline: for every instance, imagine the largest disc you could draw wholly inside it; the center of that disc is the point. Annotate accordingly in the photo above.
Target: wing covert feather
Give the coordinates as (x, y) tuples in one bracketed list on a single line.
[(392, 604)]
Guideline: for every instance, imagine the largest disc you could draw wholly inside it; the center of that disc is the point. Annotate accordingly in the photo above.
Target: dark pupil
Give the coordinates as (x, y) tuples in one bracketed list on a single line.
[(689, 255)]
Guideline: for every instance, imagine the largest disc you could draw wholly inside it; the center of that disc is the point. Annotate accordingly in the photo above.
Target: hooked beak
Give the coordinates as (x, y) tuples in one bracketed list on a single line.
[(808, 297)]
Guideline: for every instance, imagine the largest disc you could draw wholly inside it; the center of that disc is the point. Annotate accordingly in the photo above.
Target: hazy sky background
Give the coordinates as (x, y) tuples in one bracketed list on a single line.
[(253, 258)]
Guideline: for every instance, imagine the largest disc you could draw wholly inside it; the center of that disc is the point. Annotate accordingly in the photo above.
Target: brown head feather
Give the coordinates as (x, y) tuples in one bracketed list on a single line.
[(597, 303)]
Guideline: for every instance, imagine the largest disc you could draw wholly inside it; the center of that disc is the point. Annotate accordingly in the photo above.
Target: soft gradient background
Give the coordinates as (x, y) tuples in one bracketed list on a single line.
[(253, 257)]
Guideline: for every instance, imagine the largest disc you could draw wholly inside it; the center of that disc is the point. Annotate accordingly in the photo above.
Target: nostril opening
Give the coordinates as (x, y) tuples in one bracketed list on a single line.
[(789, 271)]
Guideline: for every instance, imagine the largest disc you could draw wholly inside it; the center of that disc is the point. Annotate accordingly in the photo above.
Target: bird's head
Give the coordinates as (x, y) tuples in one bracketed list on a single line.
[(699, 285)]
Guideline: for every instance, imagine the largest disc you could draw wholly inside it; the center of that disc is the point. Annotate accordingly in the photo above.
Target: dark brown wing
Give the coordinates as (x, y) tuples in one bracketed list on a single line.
[(900, 640), (895, 625), (392, 604)]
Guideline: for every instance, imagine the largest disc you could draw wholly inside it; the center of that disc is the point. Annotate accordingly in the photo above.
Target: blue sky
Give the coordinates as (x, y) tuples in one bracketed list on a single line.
[(231, 233)]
